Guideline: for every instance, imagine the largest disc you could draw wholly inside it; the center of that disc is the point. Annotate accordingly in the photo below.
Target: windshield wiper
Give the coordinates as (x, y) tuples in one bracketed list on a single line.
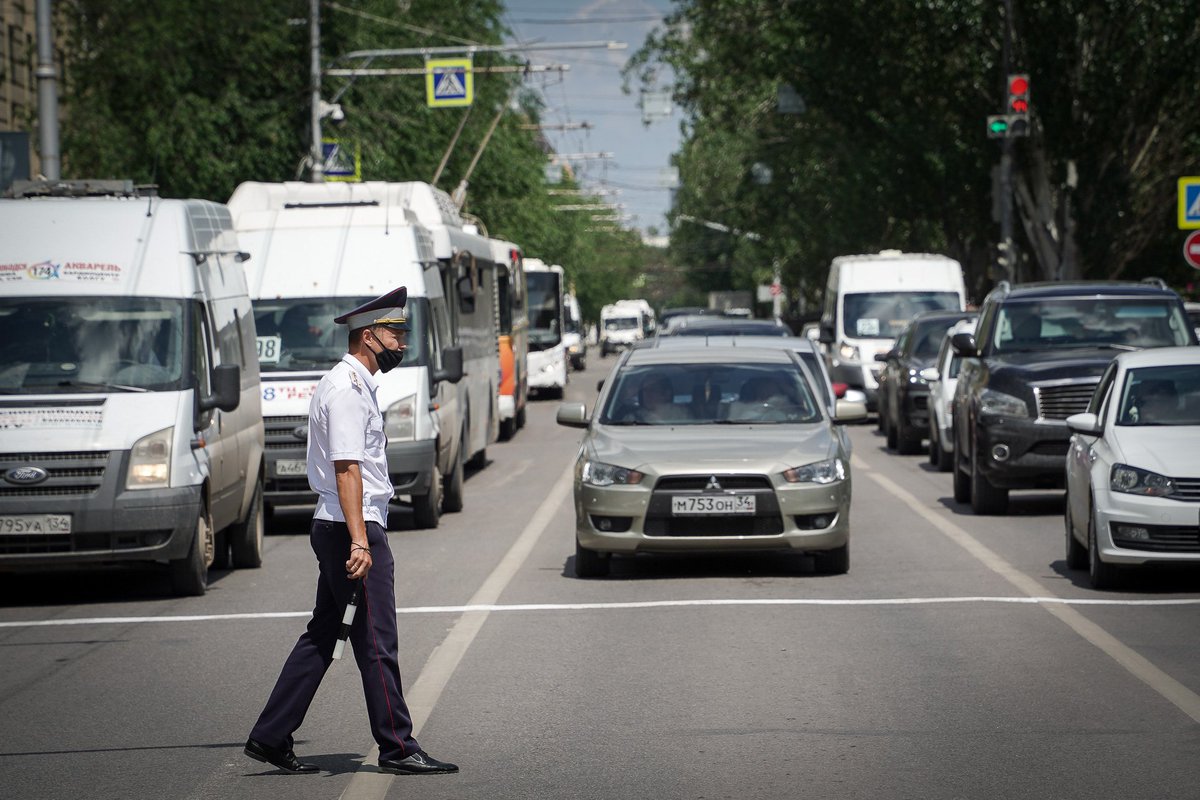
[(1114, 346), (98, 385)]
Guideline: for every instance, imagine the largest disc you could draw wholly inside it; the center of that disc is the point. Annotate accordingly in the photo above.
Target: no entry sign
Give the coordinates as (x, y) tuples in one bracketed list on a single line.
[(1191, 249)]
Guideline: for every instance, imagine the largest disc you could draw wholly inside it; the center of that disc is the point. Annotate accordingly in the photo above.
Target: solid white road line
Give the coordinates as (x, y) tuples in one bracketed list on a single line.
[(1141, 668), (732, 601)]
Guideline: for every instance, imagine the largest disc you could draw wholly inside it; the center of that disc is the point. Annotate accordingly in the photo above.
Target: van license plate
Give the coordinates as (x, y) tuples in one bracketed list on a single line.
[(291, 467), (35, 524), (713, 504)]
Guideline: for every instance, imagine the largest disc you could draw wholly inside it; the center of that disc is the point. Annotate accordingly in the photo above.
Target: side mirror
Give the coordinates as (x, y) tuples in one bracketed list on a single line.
[(964, 345), (573, 415), (452, 366), (1087, 424), (825, 335), (885, 356), (849, 411), (931, 375), (227, 386)]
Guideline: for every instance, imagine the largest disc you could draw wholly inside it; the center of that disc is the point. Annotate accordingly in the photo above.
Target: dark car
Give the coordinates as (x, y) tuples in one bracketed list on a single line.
[(1036, 356), (903, 393)]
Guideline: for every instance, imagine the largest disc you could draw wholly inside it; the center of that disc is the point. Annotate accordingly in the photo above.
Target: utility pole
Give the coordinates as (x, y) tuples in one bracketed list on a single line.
[(1007, 248), (47, 80), (317, 153)]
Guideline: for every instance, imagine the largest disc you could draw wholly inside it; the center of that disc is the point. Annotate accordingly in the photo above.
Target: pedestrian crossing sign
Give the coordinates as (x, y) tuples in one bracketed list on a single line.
[(448, 82), (341, 161), (1189, 203)]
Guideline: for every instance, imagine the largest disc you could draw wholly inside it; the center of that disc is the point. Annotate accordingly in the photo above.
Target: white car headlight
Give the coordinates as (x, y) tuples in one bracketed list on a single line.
[(400, 419), (150, 461), (597, 473), (831, 470), (1132, 480), (1001, 404)]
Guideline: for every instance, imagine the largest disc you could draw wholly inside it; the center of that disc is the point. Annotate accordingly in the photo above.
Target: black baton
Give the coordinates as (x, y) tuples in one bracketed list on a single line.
[(347, 620)]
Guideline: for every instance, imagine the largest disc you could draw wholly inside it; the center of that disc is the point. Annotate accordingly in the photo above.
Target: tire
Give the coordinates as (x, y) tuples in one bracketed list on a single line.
[(479, 460), (1077, 554), (246, 537), (893, 436), (986, 499), (189, 575), (221, 551), (881, 415), (1100, 574), (589, 563), (452, 491), (908, 443), (427, 508), (935, 447), (962, 483), (508, 428), (521, 417), (833, 562)]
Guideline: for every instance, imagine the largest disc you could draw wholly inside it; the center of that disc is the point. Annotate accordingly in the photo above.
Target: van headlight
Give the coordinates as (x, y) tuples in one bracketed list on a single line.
[(597, 473), (400, 419), (849, 352), (150, 461), (831, 470)]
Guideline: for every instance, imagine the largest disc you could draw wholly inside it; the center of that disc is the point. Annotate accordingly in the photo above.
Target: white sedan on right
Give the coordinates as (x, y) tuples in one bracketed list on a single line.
[(1133, 467)]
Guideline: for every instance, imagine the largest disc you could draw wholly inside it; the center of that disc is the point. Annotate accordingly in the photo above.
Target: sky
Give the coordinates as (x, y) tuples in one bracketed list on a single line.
[(590, 91)]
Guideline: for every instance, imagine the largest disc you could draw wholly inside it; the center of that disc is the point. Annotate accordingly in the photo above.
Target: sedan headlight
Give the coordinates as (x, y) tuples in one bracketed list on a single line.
[(1132, 480), (597, 473), (150, 461), (849, 352), (400, 420), (831, 470), (1001, 404)]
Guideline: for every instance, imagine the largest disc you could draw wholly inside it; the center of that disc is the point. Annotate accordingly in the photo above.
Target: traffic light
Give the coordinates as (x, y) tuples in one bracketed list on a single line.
[(1018, 105), (997, 126)]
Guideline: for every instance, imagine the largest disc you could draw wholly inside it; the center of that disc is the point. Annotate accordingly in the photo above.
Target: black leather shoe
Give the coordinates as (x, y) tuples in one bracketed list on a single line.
[(283, 759), (419, 763)]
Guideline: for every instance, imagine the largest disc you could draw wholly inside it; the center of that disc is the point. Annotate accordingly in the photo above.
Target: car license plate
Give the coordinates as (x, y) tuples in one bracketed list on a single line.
[(289, 466), (35, 524), (713, 504)]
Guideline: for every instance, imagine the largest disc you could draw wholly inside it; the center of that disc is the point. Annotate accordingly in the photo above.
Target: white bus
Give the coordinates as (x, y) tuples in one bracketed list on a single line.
[(547, 352)]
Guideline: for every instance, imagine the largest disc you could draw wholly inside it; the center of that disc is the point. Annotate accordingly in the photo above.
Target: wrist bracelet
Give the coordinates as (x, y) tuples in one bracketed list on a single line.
[(354, 547)]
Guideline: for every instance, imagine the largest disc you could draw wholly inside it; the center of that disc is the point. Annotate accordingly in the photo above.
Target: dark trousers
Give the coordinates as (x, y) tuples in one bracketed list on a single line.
[(373, 637)]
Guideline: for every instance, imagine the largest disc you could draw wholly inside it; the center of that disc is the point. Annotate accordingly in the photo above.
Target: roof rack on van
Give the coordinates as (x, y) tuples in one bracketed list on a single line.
[(1152, 281), (82, 188), (333, 204)]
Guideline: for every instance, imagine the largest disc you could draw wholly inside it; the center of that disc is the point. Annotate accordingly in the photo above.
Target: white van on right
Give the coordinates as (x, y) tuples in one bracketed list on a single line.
[(868, 301)]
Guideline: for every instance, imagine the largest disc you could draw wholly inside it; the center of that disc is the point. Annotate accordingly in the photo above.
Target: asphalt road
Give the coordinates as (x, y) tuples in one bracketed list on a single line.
[(959, 658)]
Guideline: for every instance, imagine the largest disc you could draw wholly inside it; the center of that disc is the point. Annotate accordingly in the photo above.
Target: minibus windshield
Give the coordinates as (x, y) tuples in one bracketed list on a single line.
[(298, 333), (91, 344)]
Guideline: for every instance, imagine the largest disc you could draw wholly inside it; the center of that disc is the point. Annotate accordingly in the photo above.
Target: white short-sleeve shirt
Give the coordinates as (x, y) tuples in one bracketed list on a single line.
[(344, 424)]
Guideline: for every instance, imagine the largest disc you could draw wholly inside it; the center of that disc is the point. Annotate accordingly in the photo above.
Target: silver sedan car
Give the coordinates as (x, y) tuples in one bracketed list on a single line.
[(711, 448)]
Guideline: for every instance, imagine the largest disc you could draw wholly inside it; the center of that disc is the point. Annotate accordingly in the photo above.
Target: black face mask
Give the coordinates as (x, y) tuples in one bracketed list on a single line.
[(388, 359)]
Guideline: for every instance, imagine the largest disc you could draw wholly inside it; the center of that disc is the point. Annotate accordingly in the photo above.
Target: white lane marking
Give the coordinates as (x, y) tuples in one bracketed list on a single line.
[(755, 601), (1140, 667), (515, 471), (370, 784)]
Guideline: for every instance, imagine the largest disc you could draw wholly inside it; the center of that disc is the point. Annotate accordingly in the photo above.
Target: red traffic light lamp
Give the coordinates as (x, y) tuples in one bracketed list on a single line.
[(1018, 105)]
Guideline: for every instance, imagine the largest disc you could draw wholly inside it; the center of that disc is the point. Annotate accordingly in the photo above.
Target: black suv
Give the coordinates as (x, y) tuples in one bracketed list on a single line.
[(903, 393), (1037, 354)]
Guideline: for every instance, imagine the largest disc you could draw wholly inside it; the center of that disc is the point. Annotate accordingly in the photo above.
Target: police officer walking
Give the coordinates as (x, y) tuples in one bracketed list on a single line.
[(347, 468)]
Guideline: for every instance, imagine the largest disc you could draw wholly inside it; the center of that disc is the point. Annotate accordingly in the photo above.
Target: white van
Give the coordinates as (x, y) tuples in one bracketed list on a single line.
[(868, 301), (319, 249), (547, 321), (623, 324), (130, 424)]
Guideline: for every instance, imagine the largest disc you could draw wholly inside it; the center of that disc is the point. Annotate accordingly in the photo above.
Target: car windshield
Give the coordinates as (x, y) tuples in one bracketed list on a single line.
[(544, 297), (929, 337), (884, 315), (1161, 396), (299, 333), (708, 394), (72, 344), (621, 324), (1119, 322)]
